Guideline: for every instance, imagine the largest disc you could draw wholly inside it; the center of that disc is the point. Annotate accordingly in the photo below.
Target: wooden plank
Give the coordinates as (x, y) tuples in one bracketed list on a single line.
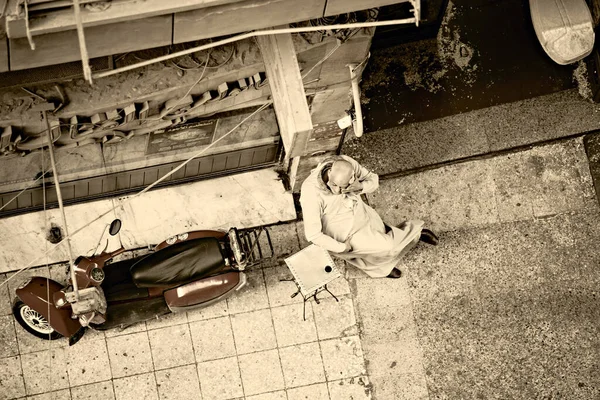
[(325, 137), (119, 11), (61, 47), (2, 7), (4, 54), (335, 7), (41, 6), (287, 90), (241, 17)]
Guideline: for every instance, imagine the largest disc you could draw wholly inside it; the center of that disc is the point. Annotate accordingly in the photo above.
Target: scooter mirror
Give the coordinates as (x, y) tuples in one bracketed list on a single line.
[(115, 227)]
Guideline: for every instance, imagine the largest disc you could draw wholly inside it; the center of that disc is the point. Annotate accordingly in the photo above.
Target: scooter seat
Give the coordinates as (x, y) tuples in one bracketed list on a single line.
[(179, 263)]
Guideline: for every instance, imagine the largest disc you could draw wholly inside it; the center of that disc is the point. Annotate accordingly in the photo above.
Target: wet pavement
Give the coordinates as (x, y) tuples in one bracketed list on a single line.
[(484, 55)]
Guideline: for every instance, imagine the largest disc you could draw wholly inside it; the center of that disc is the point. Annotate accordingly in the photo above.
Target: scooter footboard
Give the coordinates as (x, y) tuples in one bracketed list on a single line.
[(38, 294), (204, 292)]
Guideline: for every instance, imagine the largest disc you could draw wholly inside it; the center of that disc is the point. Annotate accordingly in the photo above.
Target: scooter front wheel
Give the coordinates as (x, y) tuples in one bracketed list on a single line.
[(34, 322)]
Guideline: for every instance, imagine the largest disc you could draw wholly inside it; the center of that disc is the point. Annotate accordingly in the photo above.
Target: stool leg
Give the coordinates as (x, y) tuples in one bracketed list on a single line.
[(332, 295), (304, 310)]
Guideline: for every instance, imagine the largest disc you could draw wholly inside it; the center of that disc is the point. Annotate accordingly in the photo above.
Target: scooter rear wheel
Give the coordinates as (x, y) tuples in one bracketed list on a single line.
[(34, 322)]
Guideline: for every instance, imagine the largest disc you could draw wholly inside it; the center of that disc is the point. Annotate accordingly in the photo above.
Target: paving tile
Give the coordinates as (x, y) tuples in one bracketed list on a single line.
[(285, 239), (335, 319), (90, 336), (167, 320), (342, 358), (402, 357), (45, 371), (129, 354), (253, 331), (301, 236), (29, 343), (64, 394), (414, 387), (11, 378), (95, 391), (216, 310), (290, 328), (312, 392), (220, 379), (179, 383), (353, 388), (280, 395), (136, 387), (5, 303), (135, 328), (171, 346), (88, 363), (261, 372), (384, 316), (280, 292), (212, 339), (8, 337), (252, 297), (302, 365)]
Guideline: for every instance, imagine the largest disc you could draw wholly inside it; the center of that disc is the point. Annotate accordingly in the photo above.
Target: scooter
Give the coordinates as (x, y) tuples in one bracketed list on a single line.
[(187, 271)]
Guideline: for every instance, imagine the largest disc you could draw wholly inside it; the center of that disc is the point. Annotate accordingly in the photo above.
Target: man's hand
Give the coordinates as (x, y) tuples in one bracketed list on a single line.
[(356, 187)]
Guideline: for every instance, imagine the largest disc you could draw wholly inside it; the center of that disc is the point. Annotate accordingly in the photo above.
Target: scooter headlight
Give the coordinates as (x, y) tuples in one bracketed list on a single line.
[(97, 274)]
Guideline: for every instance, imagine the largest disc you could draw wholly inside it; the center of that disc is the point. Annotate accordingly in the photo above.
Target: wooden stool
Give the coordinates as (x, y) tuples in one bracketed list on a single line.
[(312, 269)]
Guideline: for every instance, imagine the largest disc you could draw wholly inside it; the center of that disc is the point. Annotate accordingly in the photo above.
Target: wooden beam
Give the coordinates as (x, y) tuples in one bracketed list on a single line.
[(119, 11), (287, 89), (3, 54), (289, 98), (62, 47), (248, 15)]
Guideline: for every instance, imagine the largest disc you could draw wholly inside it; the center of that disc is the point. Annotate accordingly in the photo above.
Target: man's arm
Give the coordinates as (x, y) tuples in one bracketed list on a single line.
[(368, 179), (313, 229)]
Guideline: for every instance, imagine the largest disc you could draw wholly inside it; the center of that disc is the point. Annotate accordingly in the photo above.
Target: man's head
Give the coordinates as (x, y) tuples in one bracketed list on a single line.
[(341, 176)]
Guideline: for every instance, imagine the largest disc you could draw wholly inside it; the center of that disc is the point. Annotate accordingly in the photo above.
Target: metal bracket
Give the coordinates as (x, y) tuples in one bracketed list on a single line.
[(29, 37)]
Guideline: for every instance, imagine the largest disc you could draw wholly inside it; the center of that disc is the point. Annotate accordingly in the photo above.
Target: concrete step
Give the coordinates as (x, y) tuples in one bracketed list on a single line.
[(474, 133), (529, 184)]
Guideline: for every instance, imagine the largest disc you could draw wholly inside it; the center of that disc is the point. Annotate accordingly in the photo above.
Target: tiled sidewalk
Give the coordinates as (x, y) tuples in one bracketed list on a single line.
[(253, 346)]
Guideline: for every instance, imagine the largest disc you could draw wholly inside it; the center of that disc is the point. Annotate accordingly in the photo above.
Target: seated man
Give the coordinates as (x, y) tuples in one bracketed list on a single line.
[(336, 219)]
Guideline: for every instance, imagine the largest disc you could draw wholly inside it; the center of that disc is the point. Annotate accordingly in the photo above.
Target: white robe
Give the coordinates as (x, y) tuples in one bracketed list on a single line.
[(332, 219)]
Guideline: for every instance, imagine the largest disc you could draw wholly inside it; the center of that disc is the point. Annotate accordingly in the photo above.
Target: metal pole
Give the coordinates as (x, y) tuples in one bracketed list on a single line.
[(85, 60), (60, 204), (358, 128), (255, 34)]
